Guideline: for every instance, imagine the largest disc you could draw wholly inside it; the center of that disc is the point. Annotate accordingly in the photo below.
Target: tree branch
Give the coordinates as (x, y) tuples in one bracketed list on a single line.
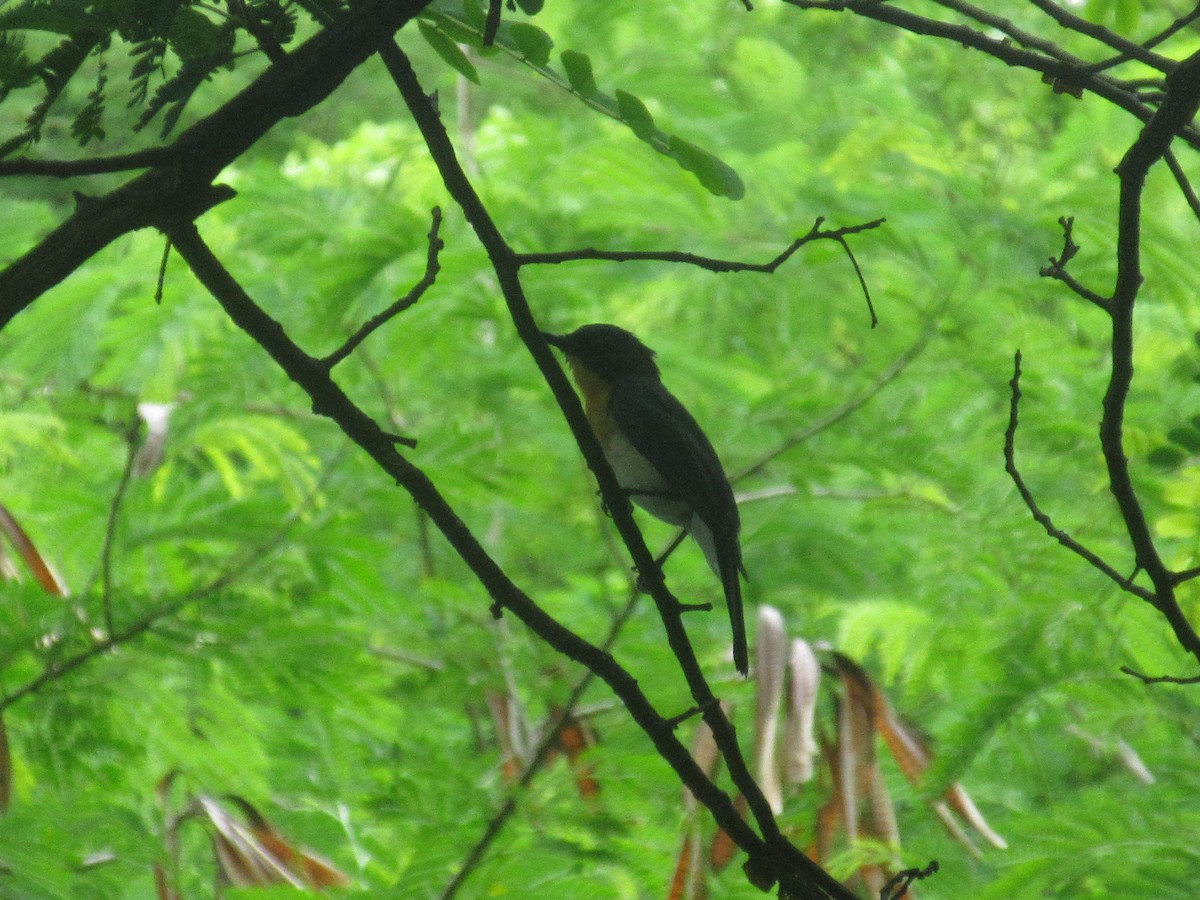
[(1127, 48), (310, 374), (1179, 108), (110, 529), (773, 856), (1057, 269), (1010, 466), (1068, 71), (96, 165), (185, 172), (709, 263), (432, 268)]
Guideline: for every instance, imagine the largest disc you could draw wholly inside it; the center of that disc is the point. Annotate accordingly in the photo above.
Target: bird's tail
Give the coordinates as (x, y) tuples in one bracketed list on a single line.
[(731, 570), (729, 567), (724, 557)]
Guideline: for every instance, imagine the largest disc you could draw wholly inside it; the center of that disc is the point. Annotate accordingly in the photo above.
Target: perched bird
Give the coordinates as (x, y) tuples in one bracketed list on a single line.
[(660, 456)]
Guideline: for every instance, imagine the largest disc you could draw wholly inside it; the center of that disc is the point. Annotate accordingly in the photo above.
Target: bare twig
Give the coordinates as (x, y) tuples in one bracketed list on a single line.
[(1066, 73), (1185, 185), (898, 885), (1058, 267), (709, 263), (110, 529), (1127, 48), (432, 268), (1010, 466), (1160, 679)]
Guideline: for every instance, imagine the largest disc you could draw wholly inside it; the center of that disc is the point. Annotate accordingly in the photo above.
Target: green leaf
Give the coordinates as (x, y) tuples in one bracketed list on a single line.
[(531, 7), (1186, 437), (715, 175), (1166, 457), (194, 36), (1177, 525), (634, 114), (535, 44), (445, 47), (578, 67), (475, 14)]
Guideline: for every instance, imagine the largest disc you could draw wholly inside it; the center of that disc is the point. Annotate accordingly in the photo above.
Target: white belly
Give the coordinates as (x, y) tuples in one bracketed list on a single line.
[(647, 488)]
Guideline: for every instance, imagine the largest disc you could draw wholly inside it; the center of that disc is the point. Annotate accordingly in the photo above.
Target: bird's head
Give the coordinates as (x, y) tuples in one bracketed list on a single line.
[(608, 351)]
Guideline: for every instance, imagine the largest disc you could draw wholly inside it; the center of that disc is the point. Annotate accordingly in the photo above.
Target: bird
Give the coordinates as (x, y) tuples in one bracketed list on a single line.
[(661, 456)]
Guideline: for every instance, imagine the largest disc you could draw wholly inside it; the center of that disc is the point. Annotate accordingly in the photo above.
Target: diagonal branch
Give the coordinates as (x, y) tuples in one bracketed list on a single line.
[(1010, 465), (328, 399), (432, 268), (1057, 268), (1071, 73), (290, 87), (772, 857), (1124, 46)]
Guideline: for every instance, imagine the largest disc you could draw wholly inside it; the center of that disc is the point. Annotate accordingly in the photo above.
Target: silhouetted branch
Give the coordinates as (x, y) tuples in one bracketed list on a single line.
[(898, 885), (1127, 48), (110, 529), (709, 263), (1160, 679), (1179, 108), (1010, 465), (772, 858), (96, 165), (1058, 267), (1065, 71), (287, 88), (432, 267)]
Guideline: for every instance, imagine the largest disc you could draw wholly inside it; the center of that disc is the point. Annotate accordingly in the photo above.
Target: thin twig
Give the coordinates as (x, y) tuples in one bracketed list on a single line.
[(1124, 46), (1010, 466), (162, 271), (709, 263), (1168, 32), (1057, 269), (110, 528), (1072, 75), (1160, 679), (1185, 185), (898, 885), (432, 268)]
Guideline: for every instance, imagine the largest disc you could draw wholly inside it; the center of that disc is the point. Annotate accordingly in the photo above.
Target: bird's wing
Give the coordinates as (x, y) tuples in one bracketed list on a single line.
[(662, 430)]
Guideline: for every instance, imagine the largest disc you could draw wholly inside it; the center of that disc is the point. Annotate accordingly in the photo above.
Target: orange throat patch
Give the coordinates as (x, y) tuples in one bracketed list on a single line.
[(595, 392)]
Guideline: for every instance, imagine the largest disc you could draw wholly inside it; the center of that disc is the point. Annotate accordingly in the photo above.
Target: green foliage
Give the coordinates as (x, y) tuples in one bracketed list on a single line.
[(338, 674)]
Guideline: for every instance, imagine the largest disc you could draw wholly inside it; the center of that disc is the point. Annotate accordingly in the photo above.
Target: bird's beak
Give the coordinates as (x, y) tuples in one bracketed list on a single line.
[(554, 340)]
